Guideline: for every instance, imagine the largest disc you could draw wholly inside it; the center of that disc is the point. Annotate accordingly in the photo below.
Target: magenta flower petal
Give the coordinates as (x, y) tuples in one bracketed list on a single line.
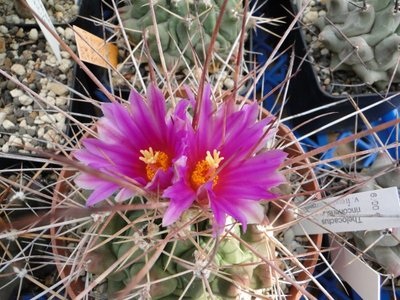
[(181, 198), (124, 194), (138, 144), (102, 192)]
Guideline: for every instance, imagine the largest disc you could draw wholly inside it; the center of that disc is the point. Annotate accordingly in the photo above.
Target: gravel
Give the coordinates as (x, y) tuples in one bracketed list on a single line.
[(60, 11), (25, 120)]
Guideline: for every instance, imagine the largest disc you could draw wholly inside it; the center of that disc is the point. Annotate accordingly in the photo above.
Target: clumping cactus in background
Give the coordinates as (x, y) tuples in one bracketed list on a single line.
[(185, 27), (209, 171), (363, 37)]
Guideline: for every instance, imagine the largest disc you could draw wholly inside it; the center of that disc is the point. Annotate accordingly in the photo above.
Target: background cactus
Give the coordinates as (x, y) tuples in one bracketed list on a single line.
[(363, 37), (185, 27)]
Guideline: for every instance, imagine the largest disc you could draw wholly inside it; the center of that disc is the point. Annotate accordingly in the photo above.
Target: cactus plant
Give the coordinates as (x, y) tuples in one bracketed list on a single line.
[(195, 234), (184, 27), (185, 263), (363, 37)]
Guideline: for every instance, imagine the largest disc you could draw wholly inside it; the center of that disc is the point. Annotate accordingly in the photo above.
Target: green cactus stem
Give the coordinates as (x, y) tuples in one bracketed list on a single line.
[(185, 28), (363, 37), (187, 260)]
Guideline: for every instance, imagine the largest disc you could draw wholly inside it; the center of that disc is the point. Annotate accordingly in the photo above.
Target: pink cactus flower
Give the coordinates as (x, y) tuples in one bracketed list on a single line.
[(225, 167), (140, 142)]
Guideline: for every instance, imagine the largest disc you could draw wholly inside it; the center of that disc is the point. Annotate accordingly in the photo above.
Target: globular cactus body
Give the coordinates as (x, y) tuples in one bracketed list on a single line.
[(185, 28), (229, 269), (363, 38)]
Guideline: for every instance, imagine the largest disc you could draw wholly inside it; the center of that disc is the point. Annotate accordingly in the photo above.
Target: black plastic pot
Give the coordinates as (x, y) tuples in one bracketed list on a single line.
[(305, 92)]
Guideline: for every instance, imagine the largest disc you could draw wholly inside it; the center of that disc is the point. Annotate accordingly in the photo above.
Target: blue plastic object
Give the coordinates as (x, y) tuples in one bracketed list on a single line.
[(273, 75), (390, 135), (335, 290)]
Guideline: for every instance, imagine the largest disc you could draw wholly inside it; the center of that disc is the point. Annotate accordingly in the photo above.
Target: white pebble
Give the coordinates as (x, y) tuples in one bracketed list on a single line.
[(15, 141), (16, 93), (229, 83), (33, 34), (57, 88), (65, 65), (60, 30), (68, 33), (7, 124), (5, 148), (38, 121), (3, 29), (51, 101), (60, 101), (48, 119), (25, 100), (2, 58), (18, 69), (51, 136), (40, 132), (2, 117), (59, 117), (324, 51), (22, 123)]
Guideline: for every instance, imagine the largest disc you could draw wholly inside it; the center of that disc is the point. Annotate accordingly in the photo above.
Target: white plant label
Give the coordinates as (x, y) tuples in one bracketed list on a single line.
[(38, 7), (372, 210), (361, 277)]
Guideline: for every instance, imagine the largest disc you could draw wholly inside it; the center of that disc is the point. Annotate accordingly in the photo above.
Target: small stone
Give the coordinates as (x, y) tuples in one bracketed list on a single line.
[(2, 58), (22, 131), (51, 136), (11, 85), (65, 54), (31, 132), (20, 33), (65, 65), (33, 34), (15, 93), (68, 33), (324, 51), (3, 29), (25, 100), (2, 117), (229, 83), (18, 69), (7, 124), (51, 101), (60, 101), (40, 132), (327, 81), (57, 88), (22, 123), (5, 148), (60, 30), (15, 141), (51, 61), (38, 121), (48, 119)]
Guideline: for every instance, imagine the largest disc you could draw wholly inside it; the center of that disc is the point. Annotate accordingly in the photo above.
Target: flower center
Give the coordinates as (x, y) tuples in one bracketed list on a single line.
[(206, 169), (154, 160)]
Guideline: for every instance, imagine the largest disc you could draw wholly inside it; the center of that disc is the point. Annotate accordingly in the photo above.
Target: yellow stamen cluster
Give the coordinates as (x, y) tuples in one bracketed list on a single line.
[(154, 160), (206, 169)]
